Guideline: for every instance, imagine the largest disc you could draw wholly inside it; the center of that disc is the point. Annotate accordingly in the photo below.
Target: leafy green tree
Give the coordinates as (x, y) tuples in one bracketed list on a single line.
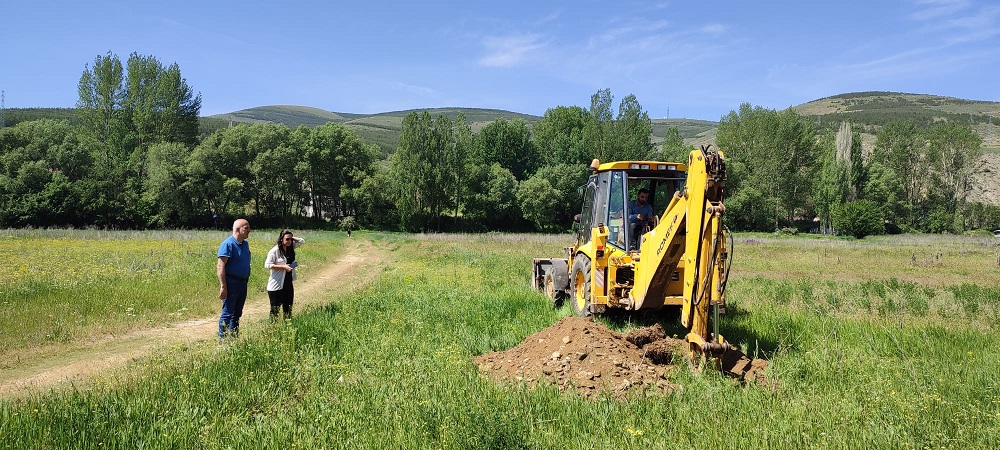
[(278, 189), (335, 161), (43, 169), (598, 134), (565, 179), (774, 154), (939, 221), (673, 148), (102, 94), (748, 209), (219, 179), (884, 189), (832, 186), (508, 142), (164, 187), (492, 200), (559, 136), (417, 170), (953, 149), (158, 103), (632, 131), (617, 138), (456, 164), (981, 216), (126, 109), (375, 200), (540, 202), (859, 218), (896, 148)]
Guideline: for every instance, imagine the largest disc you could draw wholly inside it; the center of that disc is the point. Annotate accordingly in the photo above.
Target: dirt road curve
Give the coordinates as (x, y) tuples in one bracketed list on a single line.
[(76, 364)]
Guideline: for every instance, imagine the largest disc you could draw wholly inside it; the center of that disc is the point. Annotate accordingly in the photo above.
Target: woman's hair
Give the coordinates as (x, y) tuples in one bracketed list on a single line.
[(290, 254)]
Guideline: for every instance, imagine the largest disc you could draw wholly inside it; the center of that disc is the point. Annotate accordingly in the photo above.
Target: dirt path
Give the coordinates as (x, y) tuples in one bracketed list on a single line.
[(75, 364)]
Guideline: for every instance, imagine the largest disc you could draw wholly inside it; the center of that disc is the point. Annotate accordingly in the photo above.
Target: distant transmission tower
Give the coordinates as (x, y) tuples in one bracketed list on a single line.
[(3, 119)]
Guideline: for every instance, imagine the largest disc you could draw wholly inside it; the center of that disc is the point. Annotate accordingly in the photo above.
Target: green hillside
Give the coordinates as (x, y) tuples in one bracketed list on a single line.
[(873, 109), (695, 132), (382, 129), (870, 105), (293, 116), (14, 116), (868, 110)]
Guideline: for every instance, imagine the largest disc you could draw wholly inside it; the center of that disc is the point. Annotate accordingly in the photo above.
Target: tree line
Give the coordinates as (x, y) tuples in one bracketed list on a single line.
[(134, 159)]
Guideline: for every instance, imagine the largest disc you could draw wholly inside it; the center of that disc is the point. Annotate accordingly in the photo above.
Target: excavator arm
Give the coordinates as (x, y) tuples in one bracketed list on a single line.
[(690, 230)]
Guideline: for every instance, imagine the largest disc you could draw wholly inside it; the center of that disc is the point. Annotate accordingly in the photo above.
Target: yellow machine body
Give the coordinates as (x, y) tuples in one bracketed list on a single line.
[(678, 260)]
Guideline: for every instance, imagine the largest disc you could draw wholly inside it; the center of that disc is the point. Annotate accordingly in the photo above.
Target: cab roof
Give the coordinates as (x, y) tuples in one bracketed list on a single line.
[(639, 165)]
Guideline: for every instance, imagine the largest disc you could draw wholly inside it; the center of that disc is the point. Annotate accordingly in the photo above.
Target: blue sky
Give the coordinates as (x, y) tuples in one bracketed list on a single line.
[(687, 59)]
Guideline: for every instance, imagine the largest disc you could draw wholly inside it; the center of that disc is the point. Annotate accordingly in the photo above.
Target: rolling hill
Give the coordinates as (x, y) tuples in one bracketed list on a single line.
[(384, 128), (867, 110)]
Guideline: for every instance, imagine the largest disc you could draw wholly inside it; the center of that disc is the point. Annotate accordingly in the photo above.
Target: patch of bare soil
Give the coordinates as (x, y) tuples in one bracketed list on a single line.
[(581, 355), (74, 365)]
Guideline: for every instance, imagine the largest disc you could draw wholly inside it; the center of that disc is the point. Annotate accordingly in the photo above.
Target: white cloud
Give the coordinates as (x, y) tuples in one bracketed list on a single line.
[(715, 29), (412, 89), (509, 51), (935, 9)]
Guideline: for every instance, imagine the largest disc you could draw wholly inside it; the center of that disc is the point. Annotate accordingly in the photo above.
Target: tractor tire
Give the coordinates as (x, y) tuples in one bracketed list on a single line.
[(579, 284), (556, 283), (552, 292)]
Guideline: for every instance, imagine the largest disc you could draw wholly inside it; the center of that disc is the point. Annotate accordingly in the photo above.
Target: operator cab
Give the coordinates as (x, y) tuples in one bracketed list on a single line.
[(613, 187)]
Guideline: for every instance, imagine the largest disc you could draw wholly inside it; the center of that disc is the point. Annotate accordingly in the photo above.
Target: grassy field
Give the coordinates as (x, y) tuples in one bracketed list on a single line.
[(69, 286), (889, 342)]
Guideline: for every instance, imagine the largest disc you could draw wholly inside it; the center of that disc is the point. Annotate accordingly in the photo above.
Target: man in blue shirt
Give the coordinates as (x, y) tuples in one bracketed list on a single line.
[(640, 215), (233, 270)]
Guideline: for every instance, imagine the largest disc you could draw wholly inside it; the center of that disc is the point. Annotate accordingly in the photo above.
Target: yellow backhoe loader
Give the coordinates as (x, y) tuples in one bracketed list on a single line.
[(677, 258)]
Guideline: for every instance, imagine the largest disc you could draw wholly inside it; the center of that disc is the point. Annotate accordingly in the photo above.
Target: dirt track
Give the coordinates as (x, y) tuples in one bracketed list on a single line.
[(75, 364)]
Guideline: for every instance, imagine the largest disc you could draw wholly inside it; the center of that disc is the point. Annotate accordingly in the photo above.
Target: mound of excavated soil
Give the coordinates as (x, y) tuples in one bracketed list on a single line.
[(583, 355)]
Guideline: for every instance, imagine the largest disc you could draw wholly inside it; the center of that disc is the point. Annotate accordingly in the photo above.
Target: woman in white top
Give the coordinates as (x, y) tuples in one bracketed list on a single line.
[(281, 261)]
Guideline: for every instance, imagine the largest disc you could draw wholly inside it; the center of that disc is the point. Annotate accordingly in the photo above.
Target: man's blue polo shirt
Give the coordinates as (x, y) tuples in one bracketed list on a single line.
[(239, 257)]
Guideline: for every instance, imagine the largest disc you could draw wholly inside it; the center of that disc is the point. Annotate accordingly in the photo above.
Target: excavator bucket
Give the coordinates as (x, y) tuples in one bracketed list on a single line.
[(734, 363)]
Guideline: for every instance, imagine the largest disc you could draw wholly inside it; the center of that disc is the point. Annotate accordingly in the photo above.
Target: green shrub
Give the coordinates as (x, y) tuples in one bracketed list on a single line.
[(858, 218)]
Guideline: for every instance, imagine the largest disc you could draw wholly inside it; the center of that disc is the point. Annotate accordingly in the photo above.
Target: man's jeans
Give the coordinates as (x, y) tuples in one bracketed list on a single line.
[(232, 307)]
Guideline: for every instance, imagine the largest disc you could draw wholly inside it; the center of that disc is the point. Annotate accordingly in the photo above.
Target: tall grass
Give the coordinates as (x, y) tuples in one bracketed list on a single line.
[(63, 286), (390, 366)]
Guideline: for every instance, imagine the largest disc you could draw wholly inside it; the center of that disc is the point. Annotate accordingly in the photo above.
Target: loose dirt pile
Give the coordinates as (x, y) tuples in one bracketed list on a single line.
[(586, 356)]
